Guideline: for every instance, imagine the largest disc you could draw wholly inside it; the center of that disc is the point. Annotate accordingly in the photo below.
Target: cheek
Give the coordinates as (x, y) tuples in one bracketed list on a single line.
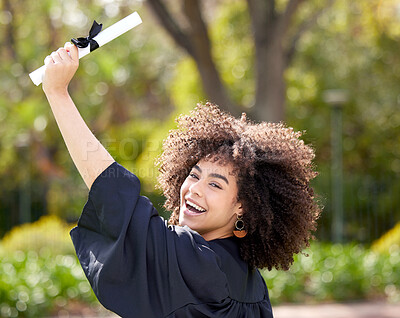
[(183, 189), (183, 186)]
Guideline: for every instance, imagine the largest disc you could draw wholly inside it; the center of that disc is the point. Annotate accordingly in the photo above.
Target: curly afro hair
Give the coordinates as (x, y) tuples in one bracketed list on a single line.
[(273, 168)]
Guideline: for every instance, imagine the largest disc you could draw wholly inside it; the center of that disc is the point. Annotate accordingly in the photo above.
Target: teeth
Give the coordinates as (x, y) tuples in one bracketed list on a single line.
[(199, 208)]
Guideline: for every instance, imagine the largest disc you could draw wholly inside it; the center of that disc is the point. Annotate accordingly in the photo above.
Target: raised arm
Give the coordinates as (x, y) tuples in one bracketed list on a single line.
[(87, 153)]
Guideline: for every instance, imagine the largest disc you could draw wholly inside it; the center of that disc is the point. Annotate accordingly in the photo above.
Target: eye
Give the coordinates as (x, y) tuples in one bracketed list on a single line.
[(193, 175), (215, 185)]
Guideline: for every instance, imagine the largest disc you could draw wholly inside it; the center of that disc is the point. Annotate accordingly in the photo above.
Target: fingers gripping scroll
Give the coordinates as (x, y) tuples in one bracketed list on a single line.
[(61, 66)]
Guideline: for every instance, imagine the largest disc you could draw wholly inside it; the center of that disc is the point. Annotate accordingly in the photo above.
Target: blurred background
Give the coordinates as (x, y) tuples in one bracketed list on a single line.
[(330, 68)]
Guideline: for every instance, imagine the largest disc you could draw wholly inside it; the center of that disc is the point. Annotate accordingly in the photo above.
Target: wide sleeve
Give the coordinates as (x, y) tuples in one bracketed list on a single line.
[(137, 265)]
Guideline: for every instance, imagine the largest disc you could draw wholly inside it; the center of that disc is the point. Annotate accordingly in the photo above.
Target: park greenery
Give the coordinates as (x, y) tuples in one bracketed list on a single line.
[(129, 93), (38, 278)]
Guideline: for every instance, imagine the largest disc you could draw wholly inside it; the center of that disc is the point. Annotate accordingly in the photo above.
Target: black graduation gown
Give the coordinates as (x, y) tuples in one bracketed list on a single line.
[(138, 266)]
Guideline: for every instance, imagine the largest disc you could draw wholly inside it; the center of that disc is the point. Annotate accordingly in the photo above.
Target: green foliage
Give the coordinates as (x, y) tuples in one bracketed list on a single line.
[(49, 233), (122, 85), (337, 273), (39, 272), (350, 47), (349, 40), (389, 242), (130, 91), (34, 284)]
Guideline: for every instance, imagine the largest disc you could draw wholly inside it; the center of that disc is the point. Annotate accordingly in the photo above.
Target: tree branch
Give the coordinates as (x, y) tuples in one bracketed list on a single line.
[(10, 32), (212, 83), (199, 33), (197, 43), (304, 27), (169, 24), (287, 15)]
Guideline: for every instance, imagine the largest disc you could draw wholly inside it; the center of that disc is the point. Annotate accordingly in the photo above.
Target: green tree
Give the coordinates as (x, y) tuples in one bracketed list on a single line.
[(120, 90), (351, 47), (130, 91), (275, 36)]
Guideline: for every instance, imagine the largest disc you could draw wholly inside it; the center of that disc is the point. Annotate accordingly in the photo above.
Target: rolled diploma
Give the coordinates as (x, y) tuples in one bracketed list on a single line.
[(102, 38)]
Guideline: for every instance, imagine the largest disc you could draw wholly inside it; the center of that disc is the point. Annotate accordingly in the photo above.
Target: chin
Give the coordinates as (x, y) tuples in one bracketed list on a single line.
[(183, 222), (191, 225)]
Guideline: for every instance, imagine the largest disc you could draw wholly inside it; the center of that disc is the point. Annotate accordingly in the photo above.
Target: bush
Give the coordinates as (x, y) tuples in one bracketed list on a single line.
[(337, 273), (49, 232), (39, 271), (33, 285), (389, 241)]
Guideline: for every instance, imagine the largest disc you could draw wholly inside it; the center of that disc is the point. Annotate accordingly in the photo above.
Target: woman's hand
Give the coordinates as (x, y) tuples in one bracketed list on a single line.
[(60, 68)]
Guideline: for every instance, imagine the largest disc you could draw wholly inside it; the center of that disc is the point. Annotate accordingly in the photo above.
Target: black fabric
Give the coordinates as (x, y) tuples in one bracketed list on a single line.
[(138, 266)]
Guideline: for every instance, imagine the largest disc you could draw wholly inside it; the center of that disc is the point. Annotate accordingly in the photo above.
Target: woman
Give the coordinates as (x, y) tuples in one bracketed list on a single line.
[(240, 200)]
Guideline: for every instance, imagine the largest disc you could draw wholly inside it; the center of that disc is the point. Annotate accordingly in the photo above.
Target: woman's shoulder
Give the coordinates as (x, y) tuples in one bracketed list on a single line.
[(245, 283)]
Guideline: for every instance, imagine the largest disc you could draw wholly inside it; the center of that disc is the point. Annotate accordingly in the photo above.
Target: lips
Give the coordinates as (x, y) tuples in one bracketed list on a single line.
[(194, 207)]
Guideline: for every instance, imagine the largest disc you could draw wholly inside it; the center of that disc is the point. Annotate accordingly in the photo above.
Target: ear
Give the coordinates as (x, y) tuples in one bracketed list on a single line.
[(239, 209)]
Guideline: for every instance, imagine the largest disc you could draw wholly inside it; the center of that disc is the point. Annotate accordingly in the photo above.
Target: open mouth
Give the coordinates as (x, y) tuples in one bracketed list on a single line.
[(194, 207)]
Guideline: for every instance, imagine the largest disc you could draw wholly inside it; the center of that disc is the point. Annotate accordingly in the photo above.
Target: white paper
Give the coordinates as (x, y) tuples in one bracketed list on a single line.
[(102, 38)]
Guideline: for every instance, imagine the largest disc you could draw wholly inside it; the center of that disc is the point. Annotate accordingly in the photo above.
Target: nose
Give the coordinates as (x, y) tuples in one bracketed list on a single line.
[(196, 188)]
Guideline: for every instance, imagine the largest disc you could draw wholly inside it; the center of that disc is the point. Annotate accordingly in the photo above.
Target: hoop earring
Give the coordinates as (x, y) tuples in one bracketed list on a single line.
[(239, 230)]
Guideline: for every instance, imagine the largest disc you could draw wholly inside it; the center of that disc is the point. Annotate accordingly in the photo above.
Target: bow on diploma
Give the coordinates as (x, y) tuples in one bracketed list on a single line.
[(84, 42)]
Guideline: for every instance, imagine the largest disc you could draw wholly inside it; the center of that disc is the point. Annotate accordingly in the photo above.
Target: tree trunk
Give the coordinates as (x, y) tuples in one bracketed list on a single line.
[(196, 42), (202, 55), (270, 30), (213, 86), (270, 85)]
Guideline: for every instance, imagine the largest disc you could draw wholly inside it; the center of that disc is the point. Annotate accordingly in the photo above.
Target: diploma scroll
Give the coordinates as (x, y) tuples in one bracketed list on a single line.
[(102, 38)]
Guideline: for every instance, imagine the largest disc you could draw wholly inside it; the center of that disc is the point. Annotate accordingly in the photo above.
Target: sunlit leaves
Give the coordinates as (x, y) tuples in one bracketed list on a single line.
[(336, 273), (116, 85)]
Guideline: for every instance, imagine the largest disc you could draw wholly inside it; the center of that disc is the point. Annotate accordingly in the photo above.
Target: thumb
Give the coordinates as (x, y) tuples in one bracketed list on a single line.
[(73, 50)]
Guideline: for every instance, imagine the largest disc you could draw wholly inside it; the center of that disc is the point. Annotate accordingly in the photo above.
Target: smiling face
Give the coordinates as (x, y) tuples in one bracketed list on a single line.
[(208, 200)]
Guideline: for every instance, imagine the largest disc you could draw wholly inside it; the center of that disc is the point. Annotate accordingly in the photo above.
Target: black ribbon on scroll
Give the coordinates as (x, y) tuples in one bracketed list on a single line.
[(84, 42)]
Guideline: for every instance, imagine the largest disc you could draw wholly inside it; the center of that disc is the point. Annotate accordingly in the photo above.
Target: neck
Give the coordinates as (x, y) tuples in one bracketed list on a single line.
[(215, 236)]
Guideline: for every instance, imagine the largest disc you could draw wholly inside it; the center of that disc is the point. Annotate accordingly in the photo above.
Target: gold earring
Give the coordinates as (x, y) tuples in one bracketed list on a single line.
[(239, 230)]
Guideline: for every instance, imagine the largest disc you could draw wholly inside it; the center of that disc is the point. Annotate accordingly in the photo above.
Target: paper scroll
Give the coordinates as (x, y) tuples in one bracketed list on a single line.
[(102, 38)]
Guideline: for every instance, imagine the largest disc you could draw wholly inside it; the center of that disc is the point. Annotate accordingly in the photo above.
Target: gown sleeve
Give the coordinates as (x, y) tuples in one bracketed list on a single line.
[(137, 265)]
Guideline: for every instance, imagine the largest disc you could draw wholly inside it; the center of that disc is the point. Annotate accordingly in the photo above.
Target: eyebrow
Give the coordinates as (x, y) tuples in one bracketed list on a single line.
[(215, 175)]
